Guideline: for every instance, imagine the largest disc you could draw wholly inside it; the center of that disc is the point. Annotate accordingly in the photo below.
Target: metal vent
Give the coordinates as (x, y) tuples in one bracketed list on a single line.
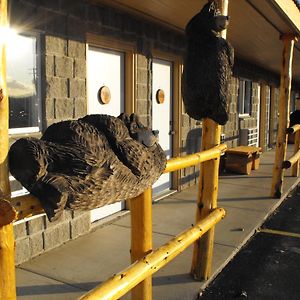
[(249, 137)]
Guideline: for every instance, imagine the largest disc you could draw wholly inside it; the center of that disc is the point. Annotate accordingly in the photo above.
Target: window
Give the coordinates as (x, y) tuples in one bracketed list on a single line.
[(245, 97), (22, 84)]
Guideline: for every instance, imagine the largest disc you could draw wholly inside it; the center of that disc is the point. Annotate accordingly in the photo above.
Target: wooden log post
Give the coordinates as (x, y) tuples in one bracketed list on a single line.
[(208, 189), (7, 242), (141, 239), (207, 200), (284, 109)]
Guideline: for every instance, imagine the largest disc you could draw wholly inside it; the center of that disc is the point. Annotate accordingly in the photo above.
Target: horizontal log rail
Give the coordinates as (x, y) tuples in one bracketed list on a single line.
[(291, 161), (293, 129), (119, 284), (28, 205), (178, 163), (294, 161)]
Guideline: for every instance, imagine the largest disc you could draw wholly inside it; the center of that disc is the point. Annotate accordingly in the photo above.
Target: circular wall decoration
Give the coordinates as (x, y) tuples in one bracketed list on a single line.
[(104, 95), (160, 96)]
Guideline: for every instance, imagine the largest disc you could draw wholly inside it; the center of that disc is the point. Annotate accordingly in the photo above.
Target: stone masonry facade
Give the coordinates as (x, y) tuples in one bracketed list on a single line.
[(62, 26), (65, 79)]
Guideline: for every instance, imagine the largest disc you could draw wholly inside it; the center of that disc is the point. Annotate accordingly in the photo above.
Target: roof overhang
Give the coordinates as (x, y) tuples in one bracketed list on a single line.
[(254, 29)]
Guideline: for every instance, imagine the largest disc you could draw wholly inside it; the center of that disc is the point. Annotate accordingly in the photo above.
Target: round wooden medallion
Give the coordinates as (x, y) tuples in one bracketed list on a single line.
[(104, 95), (160, 96)]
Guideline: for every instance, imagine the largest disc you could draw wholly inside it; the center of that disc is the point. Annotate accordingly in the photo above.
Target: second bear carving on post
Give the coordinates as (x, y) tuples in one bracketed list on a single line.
[(208, 66)]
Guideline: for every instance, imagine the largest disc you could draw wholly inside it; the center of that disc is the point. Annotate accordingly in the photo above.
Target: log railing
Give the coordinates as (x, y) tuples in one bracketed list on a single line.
[(145, 261), (121, 283)]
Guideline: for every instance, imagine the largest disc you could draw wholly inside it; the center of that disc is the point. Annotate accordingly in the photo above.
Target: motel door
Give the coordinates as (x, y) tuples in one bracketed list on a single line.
[(105, 93), (162, 116)]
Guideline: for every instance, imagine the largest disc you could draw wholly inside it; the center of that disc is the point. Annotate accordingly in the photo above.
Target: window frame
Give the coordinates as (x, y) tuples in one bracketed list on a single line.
[(34, 129), (241, 112)]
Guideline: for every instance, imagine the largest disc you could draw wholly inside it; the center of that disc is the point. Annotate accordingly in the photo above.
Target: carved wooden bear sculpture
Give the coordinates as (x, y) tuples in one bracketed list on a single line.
[(208, 66), (88, 163)]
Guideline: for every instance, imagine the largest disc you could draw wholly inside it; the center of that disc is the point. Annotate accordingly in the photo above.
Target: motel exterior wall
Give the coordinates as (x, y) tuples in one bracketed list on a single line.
[(61, 26)]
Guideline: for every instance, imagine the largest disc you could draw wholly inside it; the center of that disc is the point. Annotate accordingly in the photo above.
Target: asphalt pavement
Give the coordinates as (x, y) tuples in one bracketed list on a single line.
[(268, 266)]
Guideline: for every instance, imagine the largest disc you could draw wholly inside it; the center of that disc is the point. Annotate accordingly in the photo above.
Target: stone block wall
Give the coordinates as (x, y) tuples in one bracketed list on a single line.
[(274, 130), (231, 128), (143, 89), (38, 235), (65, 79)]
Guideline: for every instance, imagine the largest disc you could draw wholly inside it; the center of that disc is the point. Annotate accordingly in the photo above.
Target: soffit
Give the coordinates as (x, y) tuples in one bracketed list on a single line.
[(254, 30)]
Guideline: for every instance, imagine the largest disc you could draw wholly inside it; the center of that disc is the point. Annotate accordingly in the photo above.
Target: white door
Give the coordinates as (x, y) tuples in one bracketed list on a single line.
[(162, 116), (105, 68)]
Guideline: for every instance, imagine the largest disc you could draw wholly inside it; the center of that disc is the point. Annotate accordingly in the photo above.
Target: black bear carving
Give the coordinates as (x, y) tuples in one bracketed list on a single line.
[(88, 163), (208, 66)]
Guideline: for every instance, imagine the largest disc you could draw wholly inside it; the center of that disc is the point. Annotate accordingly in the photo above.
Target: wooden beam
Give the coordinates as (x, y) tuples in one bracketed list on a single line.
[(289, 11), (293, 129), (284, 111), (179, 163), (292, 160), (26, 206), (141, 239), (7, 241)]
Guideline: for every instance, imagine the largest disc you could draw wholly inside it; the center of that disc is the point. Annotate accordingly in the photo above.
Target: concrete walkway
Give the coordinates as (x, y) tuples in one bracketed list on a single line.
[(72, 269)]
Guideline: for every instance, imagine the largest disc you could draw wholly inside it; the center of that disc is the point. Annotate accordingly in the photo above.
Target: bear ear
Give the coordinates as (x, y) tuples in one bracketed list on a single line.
[(124, 117), (212, 6), (134, 118)]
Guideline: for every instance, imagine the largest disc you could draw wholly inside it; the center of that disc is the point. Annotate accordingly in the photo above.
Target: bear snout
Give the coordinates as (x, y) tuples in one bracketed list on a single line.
[(221, 23), (155, 133)]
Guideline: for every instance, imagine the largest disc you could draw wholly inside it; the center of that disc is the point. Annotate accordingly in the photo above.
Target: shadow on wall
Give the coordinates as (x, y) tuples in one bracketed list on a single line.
[(193, 144), (193, 141)]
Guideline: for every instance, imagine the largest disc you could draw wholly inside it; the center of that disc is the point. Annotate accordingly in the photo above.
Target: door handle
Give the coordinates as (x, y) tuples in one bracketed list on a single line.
[(172, 132)]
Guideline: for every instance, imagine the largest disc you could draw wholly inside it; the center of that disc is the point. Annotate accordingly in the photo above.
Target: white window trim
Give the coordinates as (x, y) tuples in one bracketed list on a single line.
[(24, 130), (244, 116)]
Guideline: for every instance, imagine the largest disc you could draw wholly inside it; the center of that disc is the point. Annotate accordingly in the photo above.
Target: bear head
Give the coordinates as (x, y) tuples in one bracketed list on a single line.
[(138, 131), (208, 20)]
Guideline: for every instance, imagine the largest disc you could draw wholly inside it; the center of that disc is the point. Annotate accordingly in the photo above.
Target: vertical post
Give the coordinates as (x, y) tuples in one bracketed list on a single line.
[(295, 168), (284, 109), (207, 200), (208, 188), (141, 239), (7, 265)]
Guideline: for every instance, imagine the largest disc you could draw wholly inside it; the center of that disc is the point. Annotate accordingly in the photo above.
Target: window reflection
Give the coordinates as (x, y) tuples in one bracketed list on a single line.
[(22, 82)]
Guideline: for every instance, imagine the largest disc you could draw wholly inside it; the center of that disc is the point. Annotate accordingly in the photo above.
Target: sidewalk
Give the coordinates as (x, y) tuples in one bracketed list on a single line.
[(74, 268)]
